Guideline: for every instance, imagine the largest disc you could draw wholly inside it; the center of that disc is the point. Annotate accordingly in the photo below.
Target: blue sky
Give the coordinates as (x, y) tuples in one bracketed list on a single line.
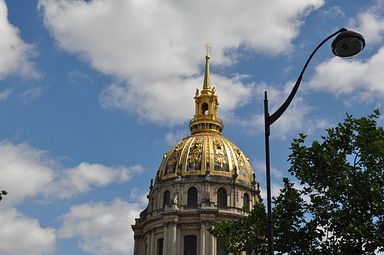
[(93, 93)]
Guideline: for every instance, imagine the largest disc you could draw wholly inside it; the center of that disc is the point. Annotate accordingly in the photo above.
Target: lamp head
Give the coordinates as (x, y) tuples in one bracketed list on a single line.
[(348, 44)]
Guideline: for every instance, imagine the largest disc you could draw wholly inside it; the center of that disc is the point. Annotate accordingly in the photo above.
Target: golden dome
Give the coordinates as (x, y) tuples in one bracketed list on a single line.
[(206, 151)]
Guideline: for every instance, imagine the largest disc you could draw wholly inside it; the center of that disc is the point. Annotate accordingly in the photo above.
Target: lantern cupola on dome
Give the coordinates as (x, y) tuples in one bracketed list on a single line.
[(206, 151)]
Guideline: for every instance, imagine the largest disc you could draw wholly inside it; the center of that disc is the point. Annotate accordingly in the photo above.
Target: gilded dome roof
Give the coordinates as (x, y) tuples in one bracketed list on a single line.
[(206, 151)]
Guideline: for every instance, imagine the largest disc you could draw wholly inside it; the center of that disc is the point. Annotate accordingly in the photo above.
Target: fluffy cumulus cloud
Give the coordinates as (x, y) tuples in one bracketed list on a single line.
[(170, 102), (15, 53), (20, 235), (21, 162), (27, 172), (154, 48), (103, 228), (86, 176), (371, 23), (361, 80)]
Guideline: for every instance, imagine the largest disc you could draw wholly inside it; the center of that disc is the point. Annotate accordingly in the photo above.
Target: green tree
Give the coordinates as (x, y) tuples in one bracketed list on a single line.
[(247, 234), (344, 179), (292, 236), (339, 208)]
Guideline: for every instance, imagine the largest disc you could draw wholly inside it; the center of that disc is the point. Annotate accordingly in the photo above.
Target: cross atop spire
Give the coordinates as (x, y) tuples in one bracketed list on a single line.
[(207, 82), (207, 47)]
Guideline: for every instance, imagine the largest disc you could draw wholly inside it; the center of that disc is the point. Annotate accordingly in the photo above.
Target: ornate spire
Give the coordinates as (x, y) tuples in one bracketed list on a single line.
[(206, 105), (207, 81)]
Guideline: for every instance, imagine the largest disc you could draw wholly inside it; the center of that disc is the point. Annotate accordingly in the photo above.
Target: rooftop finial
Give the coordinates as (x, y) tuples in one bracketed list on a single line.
[(206, 104), (207, 47), (207, 82)]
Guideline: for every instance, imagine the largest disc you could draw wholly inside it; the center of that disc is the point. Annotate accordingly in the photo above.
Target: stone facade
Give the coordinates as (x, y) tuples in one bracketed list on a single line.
[(172, 221)]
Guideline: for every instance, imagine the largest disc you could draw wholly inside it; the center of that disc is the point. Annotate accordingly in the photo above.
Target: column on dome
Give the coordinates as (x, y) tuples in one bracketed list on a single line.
[(178, 240), (202, 238), (173, 239), (136, 245), (212, 247), (209, 239), (152, 244), (166, 241)]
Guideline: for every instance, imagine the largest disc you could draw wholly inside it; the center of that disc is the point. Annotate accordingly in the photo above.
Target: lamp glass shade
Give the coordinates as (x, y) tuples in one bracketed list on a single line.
[(348, 44)]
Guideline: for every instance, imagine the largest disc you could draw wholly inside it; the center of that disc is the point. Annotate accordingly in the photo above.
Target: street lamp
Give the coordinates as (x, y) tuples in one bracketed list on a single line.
[(346, 44)]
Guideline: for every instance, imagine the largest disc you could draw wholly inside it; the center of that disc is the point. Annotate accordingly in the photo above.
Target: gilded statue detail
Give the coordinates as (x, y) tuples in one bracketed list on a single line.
[(221, 161), (195, 154)]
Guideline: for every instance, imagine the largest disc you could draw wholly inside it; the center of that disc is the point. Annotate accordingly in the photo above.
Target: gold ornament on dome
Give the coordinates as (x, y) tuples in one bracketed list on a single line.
[(194, 160), (173, 159)]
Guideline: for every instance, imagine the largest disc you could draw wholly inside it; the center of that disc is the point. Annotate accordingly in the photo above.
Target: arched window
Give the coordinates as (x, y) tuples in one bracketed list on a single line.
[(190, 245), (166, 198), (204, 108), (192, 196), (221, 197), (246, 201)]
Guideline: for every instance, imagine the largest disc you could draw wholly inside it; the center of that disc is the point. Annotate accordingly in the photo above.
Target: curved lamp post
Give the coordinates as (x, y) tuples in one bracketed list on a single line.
[(346, 44)]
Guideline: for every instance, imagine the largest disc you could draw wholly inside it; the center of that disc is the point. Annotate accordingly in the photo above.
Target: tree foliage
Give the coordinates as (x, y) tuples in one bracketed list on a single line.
[(344, 179), (292, 235), (339, 208)]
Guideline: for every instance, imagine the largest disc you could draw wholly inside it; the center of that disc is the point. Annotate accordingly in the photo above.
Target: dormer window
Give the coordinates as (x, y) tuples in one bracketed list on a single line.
[(167, 199), (192, 197), (221, 197)]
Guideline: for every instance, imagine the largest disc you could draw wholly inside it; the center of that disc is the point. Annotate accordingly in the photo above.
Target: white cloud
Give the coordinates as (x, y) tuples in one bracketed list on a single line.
[(138, 196), (24, 170), (15, 53), (27, 172), (104, 229), (154, 47), (168, 103), (370, 23), (20, 235), (362, 80), (87, 176)]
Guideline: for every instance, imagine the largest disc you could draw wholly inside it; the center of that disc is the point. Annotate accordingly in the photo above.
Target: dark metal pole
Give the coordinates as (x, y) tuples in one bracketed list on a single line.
[(268, 173), (268, 121)]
